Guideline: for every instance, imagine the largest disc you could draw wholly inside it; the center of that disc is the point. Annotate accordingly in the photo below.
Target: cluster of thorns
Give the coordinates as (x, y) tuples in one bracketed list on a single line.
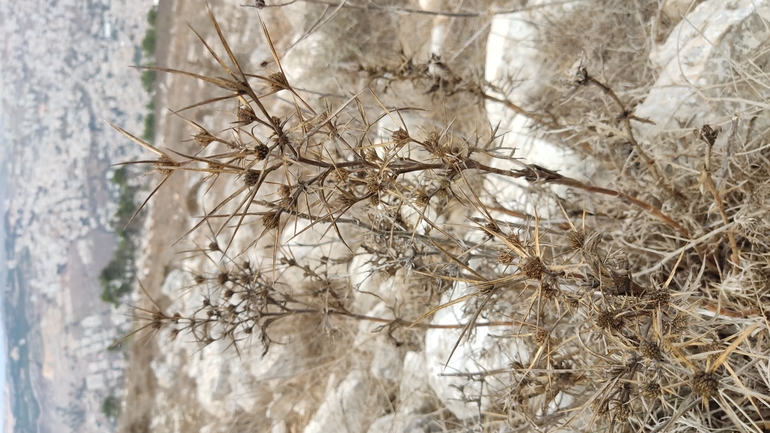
[(632, 356)]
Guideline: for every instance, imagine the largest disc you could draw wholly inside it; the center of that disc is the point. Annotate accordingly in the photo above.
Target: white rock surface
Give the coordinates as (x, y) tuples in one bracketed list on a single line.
[(345, 408), (698, 53), (478, 352)]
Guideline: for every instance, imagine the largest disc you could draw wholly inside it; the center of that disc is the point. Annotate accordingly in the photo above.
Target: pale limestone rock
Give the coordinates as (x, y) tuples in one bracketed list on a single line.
[(699, 53), (477, 352), (346, 408)]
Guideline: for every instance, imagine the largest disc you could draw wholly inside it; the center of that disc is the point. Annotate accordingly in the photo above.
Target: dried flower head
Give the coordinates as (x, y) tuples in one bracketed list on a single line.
[(576, 239), (540, 337), (705, 383), (245, 115), (223, 277), (421, 199), (534, 268), (371, 155), (278, 81), (609, 320), (251, 177), (203, 138), (650, 350), (622, 412), (261, 151), (651, 389), (660, 297), (271, 220), (708, 134), (164, 166), (401, 137), (340, 175), (505, 258), (548, 290), (347, 198), (284, 191)]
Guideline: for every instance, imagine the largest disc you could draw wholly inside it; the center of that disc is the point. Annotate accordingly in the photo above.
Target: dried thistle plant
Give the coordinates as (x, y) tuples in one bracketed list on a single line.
[(613, 314)]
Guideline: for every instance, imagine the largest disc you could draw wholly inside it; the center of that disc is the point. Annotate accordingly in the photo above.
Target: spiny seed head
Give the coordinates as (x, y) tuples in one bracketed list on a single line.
[(341, 175), (173, 334), (540, 337), (244, 279), (534, 268), (505, 258), (422, 199), (431, 141), (401, 137), (548, 291), (228, 294), (373, 184), (514, 240), (284, 191), (261, 151), (347, 198), (271, 220), (164, 166), (278, 81), (650, 350), (213, 246), (651, 389), (576, 239), (622, 412), (251, 177), (371, 155), (680, 324), (203, 138), (660, 297), (245, 115), (491, 229), (714, 346), (223, 277), (708, 134), (609, 320), (200, 279), (705, 383), (485, 289)]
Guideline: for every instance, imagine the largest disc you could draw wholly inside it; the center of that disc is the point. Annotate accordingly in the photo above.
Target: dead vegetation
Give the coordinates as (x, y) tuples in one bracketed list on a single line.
[(639, 304)]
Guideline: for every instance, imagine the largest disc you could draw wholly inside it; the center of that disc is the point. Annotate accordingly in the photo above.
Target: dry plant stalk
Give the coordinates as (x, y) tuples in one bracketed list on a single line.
[(632, 353)]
